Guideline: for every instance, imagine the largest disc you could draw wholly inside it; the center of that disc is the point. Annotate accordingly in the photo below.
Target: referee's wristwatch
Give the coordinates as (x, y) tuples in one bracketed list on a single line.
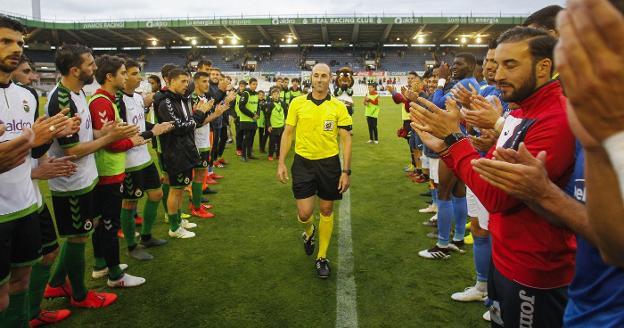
[(453, 138), (347, 171)]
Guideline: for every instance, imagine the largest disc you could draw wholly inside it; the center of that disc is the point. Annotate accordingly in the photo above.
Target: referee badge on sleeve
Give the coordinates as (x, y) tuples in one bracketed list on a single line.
[(328, 125)]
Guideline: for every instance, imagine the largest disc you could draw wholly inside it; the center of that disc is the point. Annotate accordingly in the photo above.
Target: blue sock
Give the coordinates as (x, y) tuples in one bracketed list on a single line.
[(434, 196), (445, 216), (460, 209), (482, 253)]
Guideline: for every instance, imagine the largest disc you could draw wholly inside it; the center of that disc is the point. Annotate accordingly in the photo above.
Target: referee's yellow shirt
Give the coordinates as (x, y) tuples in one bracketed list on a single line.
[(316, 125)]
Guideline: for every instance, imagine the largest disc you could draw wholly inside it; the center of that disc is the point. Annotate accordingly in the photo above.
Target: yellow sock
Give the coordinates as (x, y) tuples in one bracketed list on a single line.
[(326, 226), (308, 226)]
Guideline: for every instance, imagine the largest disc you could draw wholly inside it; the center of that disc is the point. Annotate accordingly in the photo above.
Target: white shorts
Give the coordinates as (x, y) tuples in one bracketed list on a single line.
[(424, 160), (434, 169), (476, 209)]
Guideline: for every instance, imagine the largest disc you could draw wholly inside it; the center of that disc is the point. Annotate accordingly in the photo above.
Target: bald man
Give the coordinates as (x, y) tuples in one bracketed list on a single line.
[(317, 121)]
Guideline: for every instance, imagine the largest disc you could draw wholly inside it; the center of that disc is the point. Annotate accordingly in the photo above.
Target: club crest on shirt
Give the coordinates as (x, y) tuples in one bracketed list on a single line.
[(328, 125), (88, 225), (26, 107)]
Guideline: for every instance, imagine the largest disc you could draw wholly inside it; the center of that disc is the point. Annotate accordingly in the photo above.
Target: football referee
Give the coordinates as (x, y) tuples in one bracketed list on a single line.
[(317, 120)]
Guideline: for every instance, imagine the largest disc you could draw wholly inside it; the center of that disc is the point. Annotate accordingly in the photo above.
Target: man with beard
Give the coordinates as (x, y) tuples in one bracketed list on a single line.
[(528, 281), (73, 197), (451, 202), (20, 234), (591, 204), (43, 168), (111, 164), (317, 120)]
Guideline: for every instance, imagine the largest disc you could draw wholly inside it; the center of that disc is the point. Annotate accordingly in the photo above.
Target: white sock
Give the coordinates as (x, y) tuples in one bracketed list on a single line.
[(481, 286)]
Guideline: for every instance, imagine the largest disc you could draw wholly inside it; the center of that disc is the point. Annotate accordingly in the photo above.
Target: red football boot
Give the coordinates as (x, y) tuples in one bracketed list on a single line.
[(214, 176), (63, 290), (95, 300), (201, 213), (49, 317)]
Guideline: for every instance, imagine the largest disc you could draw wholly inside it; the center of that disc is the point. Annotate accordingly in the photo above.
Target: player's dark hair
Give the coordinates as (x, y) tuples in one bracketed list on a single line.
[(157, 79), (107, 64), (541, 44), (12, 24), (176, 72), (618, 4), (204, 62), (428, 73), (199, 75), (544, 18), (25, 59), (164, 71), (68, 56), (132, 63), (469, 58), (492, 44)]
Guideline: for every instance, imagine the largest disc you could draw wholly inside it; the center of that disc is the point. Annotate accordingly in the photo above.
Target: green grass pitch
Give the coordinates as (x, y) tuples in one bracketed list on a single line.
[(247, 268)]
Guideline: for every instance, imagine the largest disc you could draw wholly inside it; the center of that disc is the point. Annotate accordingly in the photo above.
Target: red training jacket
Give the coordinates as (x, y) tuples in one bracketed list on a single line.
[(102, 111), (526, 248), (398, 98)]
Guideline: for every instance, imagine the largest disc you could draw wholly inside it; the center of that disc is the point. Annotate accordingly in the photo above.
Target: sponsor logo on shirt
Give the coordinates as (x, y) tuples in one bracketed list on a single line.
[(17, 125), (138, 118)]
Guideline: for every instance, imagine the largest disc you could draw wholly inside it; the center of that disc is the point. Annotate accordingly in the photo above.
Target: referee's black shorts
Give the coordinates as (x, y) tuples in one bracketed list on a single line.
[(316, 177)]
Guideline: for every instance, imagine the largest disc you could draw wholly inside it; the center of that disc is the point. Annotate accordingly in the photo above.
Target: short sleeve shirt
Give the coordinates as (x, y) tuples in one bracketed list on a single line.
[(316, 125)]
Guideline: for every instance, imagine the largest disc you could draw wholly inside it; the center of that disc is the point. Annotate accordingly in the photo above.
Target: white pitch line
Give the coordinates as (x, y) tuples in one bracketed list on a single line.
[(346, 296)]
